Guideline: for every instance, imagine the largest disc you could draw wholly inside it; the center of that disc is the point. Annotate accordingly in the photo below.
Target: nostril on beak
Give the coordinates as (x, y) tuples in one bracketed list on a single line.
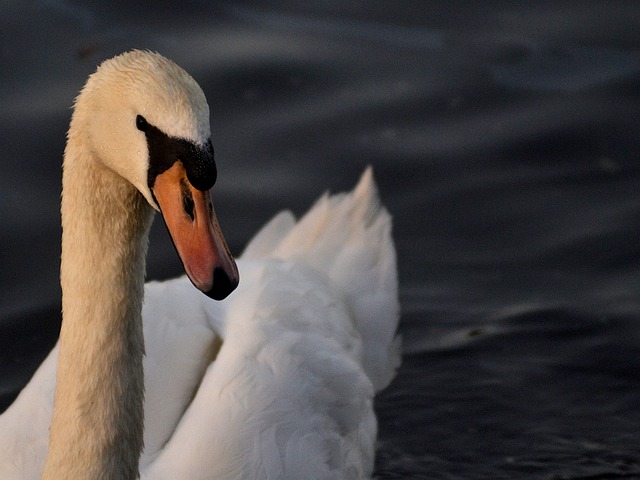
[(188, 203)]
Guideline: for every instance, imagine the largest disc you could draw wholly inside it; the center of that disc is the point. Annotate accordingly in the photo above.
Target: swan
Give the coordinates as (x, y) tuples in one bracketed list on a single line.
[(276, 381)]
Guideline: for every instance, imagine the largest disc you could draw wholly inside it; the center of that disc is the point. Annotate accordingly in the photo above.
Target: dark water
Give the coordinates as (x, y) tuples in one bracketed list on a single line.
[(506, 141)]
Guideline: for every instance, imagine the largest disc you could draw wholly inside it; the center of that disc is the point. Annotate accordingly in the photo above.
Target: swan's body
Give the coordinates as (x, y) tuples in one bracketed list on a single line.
[(307, 339)]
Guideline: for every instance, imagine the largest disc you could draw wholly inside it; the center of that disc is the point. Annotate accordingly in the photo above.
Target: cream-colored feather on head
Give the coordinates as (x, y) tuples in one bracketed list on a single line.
[(139, 83)]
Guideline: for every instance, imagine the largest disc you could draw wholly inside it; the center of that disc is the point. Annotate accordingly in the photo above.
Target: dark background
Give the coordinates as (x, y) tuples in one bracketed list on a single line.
[(505, 138)]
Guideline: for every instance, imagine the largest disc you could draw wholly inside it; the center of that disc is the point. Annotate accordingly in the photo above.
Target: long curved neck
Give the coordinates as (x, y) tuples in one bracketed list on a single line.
[(97, 425)]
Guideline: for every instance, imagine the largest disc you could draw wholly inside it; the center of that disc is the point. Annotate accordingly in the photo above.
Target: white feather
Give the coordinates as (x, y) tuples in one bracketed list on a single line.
[(307, 339)]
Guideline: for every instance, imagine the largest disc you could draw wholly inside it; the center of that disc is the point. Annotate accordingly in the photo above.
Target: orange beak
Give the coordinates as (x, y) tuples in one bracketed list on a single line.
[(193, 226)]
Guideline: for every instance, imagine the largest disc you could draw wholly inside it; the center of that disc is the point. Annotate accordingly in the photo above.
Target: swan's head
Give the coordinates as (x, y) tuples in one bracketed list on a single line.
[(146, 119)]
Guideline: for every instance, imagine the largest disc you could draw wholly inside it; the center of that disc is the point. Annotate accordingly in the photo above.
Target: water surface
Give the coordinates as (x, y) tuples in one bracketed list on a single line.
[(505, 139)]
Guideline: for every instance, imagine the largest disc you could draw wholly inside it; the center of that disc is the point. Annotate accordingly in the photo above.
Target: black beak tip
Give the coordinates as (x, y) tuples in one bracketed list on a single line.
[(222, 285)]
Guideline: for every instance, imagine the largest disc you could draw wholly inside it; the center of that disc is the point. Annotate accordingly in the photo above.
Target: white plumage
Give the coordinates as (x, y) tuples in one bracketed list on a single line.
[(307, 339)]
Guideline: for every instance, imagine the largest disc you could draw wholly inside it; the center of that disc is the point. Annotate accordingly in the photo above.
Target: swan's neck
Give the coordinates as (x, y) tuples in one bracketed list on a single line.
[(97, 426)]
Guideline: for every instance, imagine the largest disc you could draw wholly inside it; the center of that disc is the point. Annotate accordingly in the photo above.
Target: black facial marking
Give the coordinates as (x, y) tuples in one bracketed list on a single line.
[(141, 123), (164, 151)]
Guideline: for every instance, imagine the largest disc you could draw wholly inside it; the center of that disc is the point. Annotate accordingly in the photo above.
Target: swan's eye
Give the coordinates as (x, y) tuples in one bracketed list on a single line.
[(141, 123)]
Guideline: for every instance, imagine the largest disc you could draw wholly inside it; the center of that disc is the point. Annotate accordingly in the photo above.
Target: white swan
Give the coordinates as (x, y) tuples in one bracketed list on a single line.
[(307, 338)]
